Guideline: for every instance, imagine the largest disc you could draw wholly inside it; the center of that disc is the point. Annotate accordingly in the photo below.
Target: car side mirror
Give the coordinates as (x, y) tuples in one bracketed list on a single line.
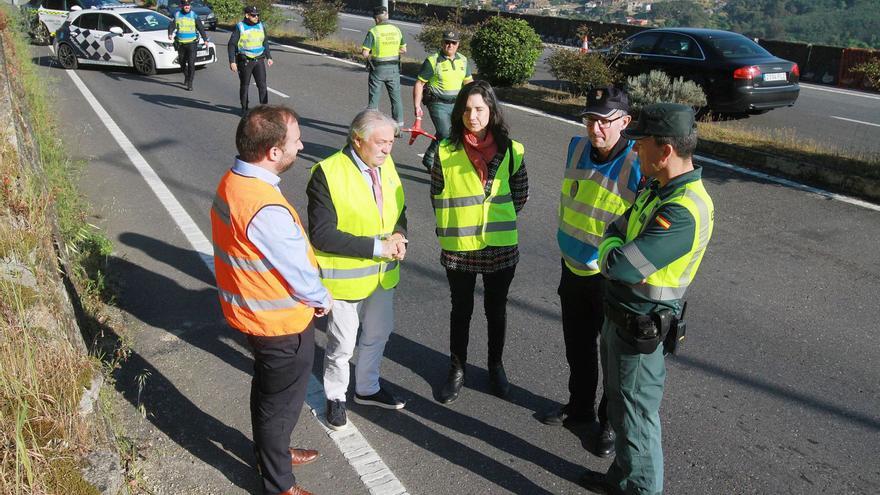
[(116, 30), (75, 8)]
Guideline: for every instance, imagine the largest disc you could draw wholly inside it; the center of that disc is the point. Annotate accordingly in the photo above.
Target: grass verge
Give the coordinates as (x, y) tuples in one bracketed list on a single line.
[(725, 140), (43, 437)]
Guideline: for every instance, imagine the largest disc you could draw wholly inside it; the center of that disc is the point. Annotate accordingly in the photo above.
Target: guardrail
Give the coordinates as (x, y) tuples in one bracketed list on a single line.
[(820, 64)]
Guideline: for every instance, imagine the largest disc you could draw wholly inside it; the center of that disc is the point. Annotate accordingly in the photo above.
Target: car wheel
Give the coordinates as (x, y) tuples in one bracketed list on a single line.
[(143, 62), (41, 34), (66, 56)]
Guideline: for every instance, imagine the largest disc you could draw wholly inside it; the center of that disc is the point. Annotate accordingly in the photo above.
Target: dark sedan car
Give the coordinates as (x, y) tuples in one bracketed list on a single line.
[(737, 74)]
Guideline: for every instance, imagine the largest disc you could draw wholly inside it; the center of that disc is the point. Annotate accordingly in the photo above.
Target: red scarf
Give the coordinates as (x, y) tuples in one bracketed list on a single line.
[(480, 152)]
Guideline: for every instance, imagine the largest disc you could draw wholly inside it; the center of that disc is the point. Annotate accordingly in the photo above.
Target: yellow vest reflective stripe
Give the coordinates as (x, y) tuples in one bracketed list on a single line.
[(589, 201), (670, 282), (448, 75), (467, 219), (250, 40), (346, 277), (254, 297), (386, 43), (186, 27)]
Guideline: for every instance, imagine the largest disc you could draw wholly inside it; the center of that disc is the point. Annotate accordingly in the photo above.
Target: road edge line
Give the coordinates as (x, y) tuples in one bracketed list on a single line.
[(375, 474)]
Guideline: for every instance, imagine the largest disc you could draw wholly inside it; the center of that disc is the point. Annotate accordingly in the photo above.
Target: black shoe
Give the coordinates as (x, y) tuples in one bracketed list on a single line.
[(336, 418), (498, 383), (597, 483), (453, 384), (559, 416), (382, 398), (189, 86), (603, 446)]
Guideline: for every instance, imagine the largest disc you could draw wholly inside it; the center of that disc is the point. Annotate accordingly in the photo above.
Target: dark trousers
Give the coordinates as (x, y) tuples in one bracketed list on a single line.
[(281, 376), (582, 317), (461, 288), (186, 56), (246, 67)]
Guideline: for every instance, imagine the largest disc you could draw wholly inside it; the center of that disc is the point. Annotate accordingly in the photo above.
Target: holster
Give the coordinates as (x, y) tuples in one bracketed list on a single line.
[(644, 333), (675, 338)]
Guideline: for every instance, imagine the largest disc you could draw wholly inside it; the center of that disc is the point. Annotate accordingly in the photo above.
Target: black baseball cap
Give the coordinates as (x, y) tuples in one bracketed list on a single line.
[(251, 10), (603, 102), (451, 36), (663, 120), (377, 11)]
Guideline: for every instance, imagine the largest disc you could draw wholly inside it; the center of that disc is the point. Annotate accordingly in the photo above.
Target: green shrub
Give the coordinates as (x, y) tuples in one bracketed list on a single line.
[(431, 35), (582, 71), (657, 87), (505, 51), (228, 10), (321, 17), (271, 16), (871, 71)]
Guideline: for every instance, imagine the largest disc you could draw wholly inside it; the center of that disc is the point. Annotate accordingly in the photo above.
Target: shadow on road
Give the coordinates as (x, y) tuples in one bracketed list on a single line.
[(177, 102)]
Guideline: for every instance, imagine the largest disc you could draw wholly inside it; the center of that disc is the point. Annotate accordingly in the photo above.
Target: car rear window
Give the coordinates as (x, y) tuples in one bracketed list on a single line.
[(737, 47), (147, 21)]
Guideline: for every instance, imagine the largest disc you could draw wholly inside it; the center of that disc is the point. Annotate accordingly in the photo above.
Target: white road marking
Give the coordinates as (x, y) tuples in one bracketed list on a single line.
[(274, 91), (374, 473), (840, 91), (350, 29), (853, 120)]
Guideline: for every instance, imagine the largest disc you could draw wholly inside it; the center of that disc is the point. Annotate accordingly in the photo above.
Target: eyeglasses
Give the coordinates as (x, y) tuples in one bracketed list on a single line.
[(603, 123), (449, 42)]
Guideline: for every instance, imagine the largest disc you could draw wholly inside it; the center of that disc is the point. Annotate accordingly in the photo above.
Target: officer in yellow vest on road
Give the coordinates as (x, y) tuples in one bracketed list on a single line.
[(440, 79), (188, 28), (357, 224), (249, 54), (382, 48), (649, 256)]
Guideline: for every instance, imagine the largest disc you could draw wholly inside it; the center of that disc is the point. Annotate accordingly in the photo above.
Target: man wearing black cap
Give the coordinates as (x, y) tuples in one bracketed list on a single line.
[(249, 54), (189, 28), (440, 79), (601, 181), (382, 48), (649, 257)]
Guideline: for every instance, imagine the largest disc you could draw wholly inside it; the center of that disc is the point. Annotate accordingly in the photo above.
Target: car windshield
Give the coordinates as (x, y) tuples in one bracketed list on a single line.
[(175, 4), (147, 21), (88, 4), (737, 47)]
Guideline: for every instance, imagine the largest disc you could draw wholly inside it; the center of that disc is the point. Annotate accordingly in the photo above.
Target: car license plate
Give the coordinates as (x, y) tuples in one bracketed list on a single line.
[(202, 53), (775, 76)]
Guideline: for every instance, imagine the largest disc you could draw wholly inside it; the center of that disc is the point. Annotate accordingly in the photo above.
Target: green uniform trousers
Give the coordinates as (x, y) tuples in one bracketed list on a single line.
[(387, 75), (441, 116), (634, 387)]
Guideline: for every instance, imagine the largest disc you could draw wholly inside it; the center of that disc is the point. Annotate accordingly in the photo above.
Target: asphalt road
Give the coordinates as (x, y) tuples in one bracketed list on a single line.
[(776, 391), (832, 118)]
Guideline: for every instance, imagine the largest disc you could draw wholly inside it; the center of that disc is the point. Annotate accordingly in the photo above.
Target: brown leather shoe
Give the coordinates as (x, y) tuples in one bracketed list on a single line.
[(296, 490), (298, 457)]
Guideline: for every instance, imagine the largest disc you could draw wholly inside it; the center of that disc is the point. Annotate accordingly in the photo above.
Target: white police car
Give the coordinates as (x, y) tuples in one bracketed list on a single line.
[(125, 36)]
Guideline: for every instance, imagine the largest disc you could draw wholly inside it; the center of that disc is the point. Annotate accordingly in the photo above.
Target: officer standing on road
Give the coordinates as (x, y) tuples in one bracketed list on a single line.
[(248, 50), (357, 222), (649, 256), (601, 180), (440, 79), (269, 286), (382, 48), (189, 28)]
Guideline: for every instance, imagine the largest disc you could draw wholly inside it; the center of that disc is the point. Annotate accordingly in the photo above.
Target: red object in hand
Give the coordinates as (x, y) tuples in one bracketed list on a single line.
[(416, 131)]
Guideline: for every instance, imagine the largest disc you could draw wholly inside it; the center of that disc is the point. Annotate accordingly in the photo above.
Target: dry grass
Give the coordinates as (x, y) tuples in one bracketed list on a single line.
[(42, 375)]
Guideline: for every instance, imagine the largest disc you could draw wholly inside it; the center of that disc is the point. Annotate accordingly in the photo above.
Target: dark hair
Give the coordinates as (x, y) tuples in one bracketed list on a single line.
[(684, 146), (496, 125), (261, 129)]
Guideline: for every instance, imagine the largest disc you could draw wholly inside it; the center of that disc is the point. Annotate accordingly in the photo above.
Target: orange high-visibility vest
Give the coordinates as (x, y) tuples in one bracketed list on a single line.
[(254, 296)]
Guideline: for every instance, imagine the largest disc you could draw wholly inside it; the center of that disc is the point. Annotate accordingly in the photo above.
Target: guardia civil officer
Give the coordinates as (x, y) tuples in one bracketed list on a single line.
[(249, 54), (440, 79), (189, 28), (382, 48), (601, 180), (649, 257)]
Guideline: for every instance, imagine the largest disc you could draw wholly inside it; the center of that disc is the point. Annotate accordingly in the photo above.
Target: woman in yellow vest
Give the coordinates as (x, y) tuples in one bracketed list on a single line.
[(478, 185)]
